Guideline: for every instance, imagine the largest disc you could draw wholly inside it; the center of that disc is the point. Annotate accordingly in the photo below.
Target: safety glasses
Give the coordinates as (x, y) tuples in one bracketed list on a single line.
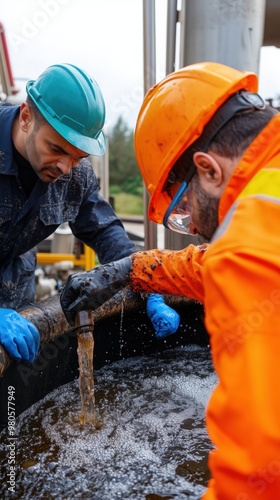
[(178, 216)]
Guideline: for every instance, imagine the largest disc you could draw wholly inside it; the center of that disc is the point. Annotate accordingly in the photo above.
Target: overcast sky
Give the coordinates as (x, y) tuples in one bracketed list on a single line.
[(104, 38)]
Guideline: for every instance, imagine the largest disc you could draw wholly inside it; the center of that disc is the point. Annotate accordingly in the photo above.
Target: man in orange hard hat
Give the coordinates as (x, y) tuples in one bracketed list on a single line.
[(208, 149)]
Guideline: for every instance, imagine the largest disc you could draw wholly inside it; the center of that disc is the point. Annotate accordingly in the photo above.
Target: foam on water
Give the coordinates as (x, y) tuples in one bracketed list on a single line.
[(150, 443)]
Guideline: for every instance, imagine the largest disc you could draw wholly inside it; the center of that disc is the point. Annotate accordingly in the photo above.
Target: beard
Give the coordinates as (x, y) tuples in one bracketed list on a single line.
[(207, 219), (42, 171), (32, 155)]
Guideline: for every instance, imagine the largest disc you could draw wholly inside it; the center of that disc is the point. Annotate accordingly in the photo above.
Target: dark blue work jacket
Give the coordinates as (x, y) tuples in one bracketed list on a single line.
[(24, 222)]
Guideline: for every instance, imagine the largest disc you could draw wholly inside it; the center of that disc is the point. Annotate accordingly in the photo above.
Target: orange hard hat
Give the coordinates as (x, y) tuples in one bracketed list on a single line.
[(172, 117)]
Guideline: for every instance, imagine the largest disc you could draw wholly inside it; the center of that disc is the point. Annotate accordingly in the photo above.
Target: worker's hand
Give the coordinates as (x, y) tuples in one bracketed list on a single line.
[(18, 335), (164, 319), (89, 290)]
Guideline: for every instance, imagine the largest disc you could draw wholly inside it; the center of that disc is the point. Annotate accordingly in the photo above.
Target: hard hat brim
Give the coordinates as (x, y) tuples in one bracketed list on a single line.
[(96, 146), (93, 146)]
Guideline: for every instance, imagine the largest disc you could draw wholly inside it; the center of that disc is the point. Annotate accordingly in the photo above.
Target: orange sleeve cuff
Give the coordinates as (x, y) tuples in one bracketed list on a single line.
[(169, 272)]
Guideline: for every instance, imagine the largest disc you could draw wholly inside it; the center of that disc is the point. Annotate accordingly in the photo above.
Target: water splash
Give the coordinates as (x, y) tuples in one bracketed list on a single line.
[(121, 326), (152, 442)]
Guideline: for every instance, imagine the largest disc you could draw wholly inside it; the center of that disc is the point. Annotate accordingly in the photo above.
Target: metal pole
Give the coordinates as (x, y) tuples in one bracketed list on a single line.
[(174, 240), (6, 74), (149, 37), (171, 238), (226, 32), (172, 18)]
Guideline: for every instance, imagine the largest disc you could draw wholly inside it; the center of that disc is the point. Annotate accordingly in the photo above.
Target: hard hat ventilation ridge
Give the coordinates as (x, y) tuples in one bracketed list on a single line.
[(241, 102)]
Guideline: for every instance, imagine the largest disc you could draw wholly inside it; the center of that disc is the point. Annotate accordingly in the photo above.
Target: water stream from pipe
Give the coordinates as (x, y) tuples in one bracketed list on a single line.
[(86, 380), (85, 328)]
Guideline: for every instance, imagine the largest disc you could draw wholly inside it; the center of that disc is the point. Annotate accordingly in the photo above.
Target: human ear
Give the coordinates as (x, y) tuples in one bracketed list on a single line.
[(208, 168), (25, 116)]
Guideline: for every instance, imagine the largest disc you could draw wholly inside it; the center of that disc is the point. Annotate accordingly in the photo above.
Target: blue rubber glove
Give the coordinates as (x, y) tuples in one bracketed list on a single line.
[(164, 319), (18, 335)]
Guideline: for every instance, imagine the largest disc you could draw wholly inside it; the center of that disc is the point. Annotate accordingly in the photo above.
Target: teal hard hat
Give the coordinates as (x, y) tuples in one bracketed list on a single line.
[(72, 103)]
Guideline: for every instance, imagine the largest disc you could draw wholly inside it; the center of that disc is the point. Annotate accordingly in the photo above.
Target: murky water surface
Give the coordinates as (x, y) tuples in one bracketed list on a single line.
[(150, 442)]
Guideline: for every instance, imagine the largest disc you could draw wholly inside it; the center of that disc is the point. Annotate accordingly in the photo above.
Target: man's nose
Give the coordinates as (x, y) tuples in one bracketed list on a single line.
[(64, 164)]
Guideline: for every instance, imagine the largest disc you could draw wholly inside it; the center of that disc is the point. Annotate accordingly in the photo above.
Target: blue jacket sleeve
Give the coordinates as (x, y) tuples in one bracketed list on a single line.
[(98, 226)]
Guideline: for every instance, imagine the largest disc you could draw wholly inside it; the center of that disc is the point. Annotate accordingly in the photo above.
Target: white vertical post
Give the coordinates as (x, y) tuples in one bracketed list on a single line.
[(149, 37)]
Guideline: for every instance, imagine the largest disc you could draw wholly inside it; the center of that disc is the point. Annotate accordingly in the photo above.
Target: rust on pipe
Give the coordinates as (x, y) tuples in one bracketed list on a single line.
[(47, 315)]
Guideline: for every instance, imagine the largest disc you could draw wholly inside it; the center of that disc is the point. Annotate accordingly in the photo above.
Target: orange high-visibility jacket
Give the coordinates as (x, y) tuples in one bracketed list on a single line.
[(238, 280)]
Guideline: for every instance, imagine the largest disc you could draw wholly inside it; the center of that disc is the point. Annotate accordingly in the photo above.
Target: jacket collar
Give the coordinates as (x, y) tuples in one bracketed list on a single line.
[(261, 152), (7, 117)]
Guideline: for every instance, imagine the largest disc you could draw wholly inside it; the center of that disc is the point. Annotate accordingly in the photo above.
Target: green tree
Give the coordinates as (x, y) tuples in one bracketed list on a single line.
[(124, 174)]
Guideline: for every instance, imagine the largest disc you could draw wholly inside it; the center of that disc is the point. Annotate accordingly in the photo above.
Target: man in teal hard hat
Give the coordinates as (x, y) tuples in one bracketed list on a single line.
[(72, 103), (46, 179)]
